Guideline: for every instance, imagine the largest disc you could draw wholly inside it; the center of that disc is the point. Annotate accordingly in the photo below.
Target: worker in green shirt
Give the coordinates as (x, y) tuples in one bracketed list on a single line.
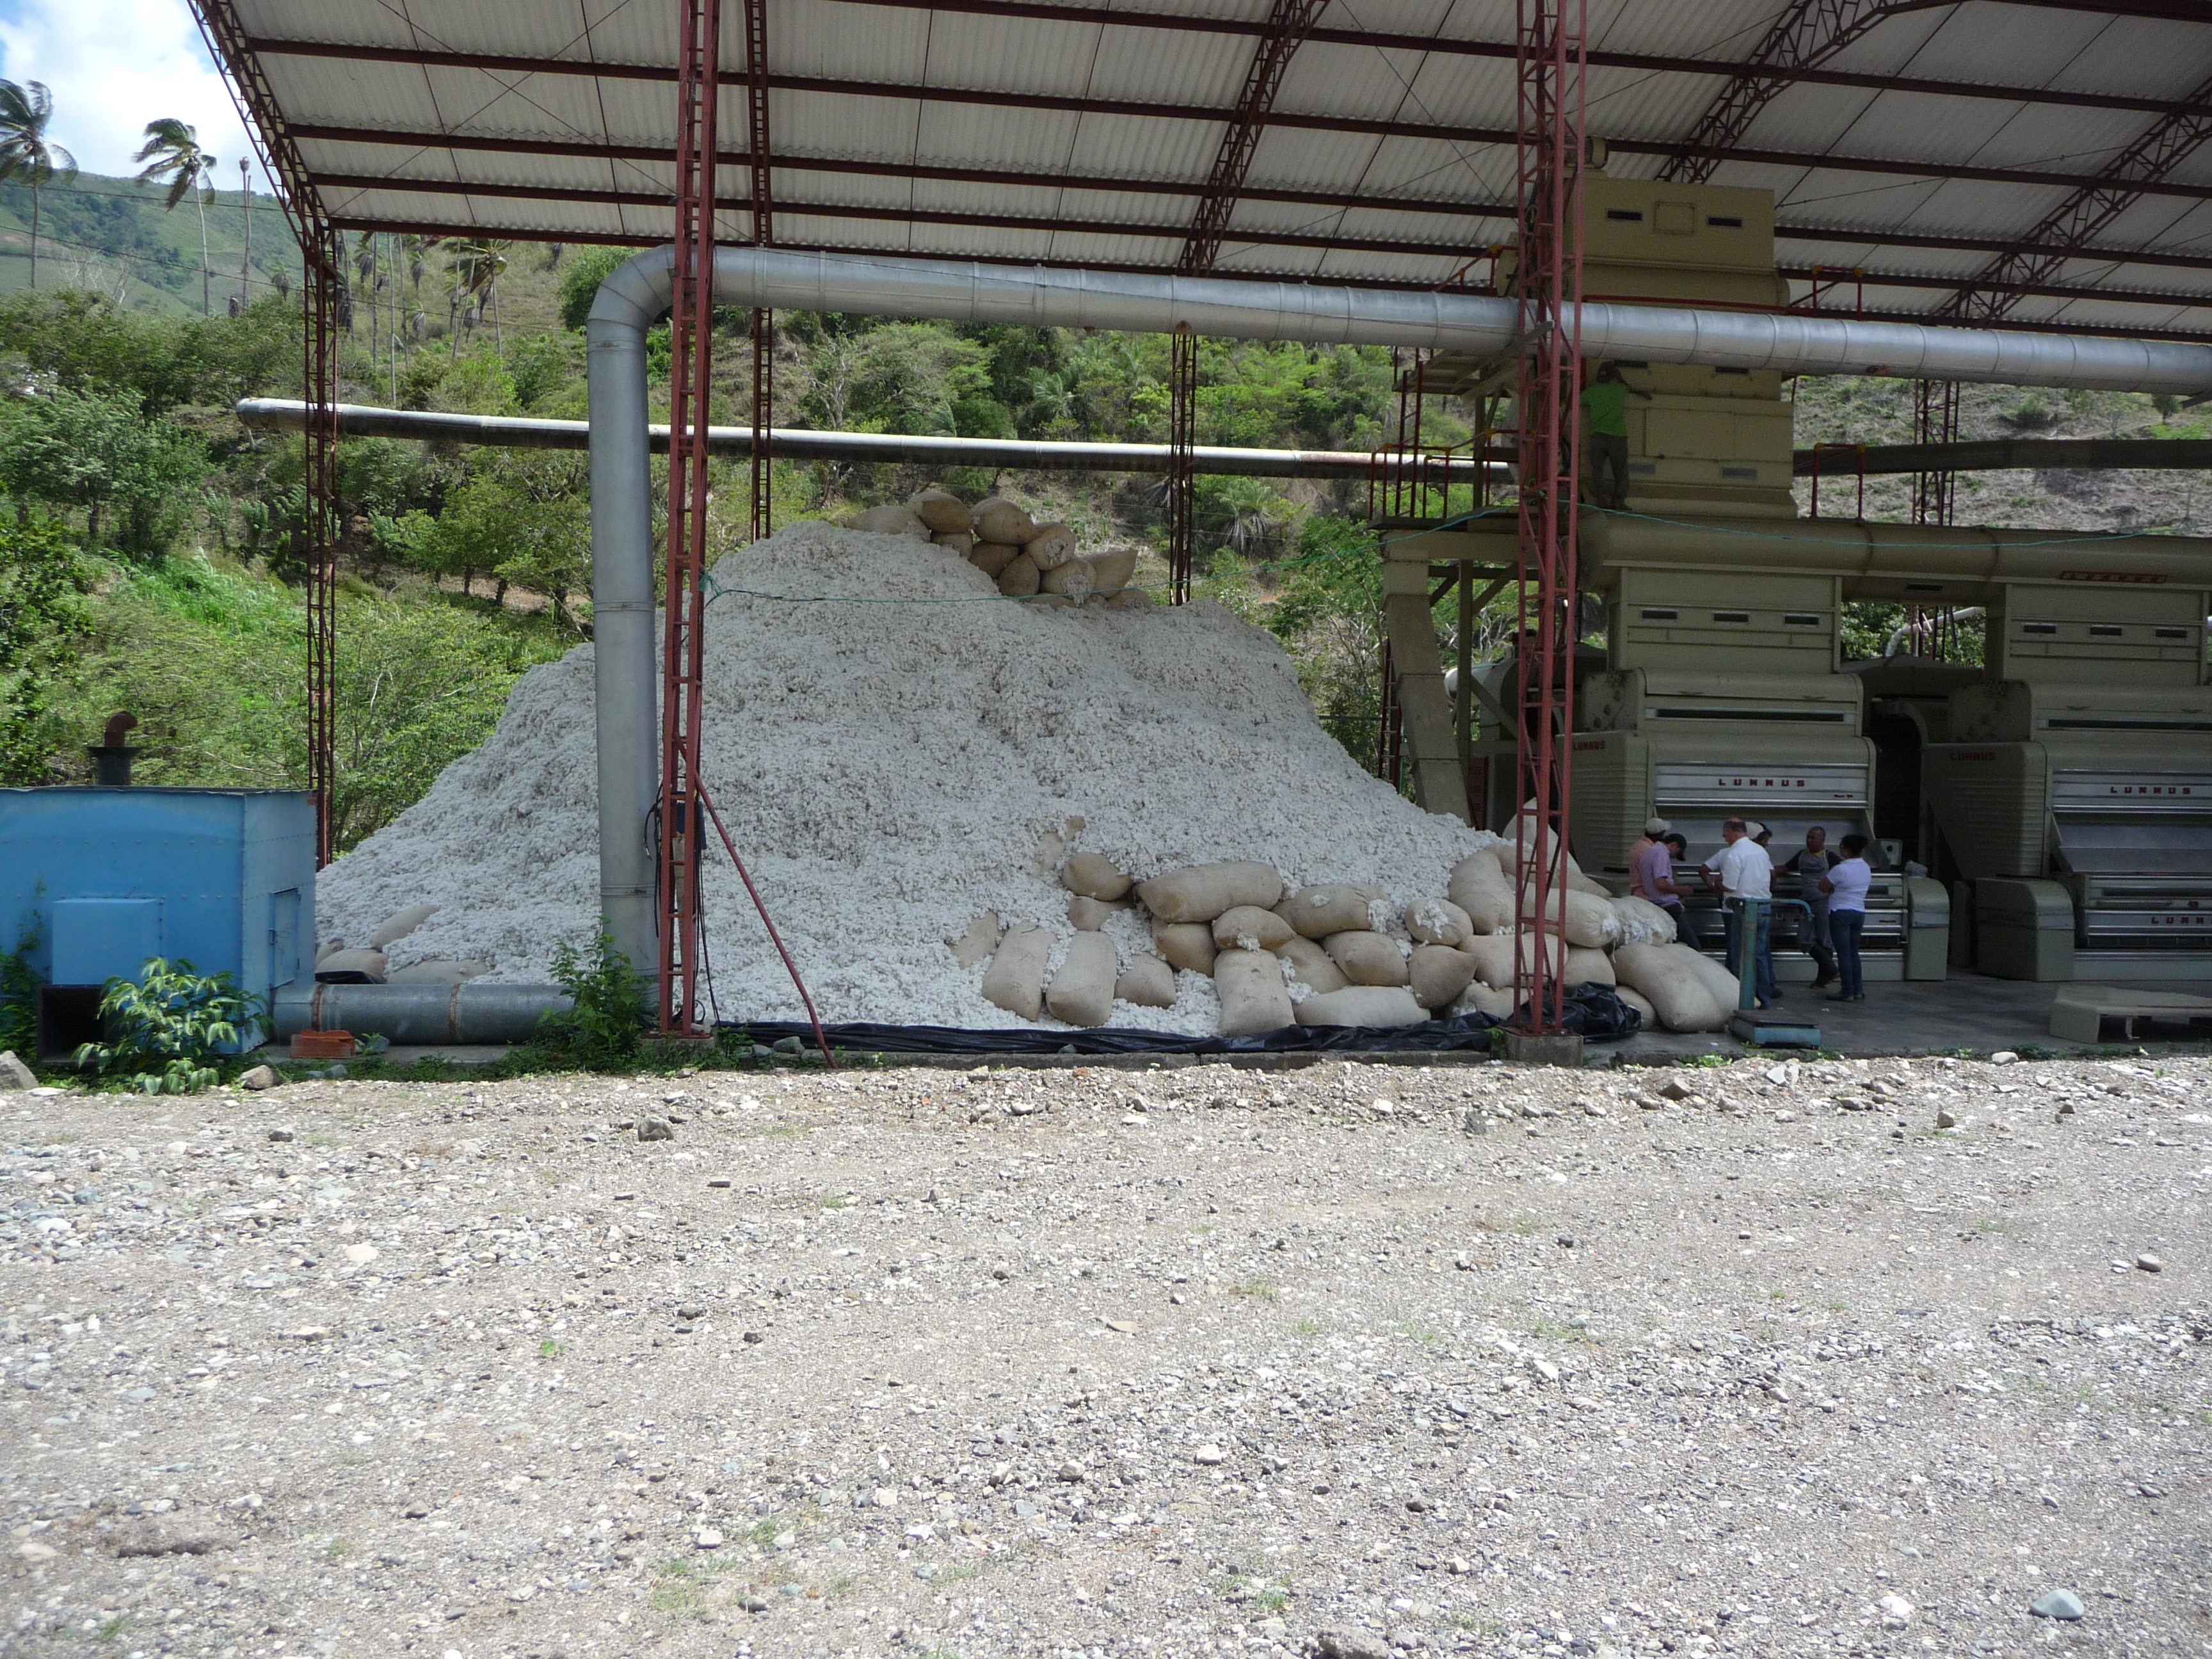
[(1607, 400)]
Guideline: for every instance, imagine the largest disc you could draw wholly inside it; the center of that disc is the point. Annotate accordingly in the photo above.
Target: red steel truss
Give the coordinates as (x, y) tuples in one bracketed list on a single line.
[(1935, 421), (1553, 47), (690, 360), (764, 214), (2076, 223)]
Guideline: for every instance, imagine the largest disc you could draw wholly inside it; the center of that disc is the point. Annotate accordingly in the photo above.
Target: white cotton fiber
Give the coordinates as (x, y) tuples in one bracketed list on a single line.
[(886, 769)]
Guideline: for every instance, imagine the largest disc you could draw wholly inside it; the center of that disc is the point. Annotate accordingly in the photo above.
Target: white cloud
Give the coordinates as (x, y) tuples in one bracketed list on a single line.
[(114, 65)]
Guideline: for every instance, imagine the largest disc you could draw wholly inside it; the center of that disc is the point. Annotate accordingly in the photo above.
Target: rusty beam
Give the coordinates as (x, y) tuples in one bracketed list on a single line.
[(1288, 23), (1366, 127), (1805, 35), (2027, 267), (1383, 41)]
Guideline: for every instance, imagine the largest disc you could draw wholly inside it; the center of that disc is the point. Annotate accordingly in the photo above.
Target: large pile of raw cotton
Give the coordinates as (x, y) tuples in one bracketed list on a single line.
[(915, 768)]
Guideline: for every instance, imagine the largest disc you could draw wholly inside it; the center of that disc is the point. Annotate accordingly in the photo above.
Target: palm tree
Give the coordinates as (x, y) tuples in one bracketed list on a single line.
[(174, 151), (26, 157)]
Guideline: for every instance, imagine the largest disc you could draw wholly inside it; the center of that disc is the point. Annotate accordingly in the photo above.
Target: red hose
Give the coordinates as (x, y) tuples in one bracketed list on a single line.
[(731, 847)]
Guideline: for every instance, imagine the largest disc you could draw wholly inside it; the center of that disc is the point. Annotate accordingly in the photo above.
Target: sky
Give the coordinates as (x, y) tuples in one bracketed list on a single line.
[(113, 65)]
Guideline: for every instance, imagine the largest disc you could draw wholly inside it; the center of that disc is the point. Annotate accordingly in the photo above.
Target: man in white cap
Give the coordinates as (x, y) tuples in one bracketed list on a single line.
[(1745, 870), (1653, 830)]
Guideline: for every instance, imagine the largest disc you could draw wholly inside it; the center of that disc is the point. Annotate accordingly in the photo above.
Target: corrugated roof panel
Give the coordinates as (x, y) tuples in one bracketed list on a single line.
[(971, 135), (1155, 67), (880, 128), (1115, 146)]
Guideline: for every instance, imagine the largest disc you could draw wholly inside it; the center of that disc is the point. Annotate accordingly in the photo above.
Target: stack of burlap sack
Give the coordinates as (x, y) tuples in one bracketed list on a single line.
[(1029, 561), (370, 964), (1337, 954)]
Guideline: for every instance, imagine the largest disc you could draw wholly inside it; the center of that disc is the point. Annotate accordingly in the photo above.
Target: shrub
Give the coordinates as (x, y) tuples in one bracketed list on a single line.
[(171, 1026), (606, 1025)]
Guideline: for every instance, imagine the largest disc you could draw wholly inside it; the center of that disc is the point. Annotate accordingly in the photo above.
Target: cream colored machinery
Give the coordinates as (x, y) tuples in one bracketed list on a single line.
[(2067, 785)]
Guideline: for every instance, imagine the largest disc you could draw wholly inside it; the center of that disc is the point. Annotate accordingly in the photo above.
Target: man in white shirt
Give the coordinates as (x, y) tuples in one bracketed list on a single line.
[(1743, 871)]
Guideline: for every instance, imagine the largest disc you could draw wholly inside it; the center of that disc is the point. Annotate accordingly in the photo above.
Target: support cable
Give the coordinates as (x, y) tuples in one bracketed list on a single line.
[(731, 847)]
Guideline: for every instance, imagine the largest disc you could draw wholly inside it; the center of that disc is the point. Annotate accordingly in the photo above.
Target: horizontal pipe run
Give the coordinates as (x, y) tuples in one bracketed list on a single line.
[(416, 1014), (1242, 309), (524, 431), (516, 431), (2008, 454)]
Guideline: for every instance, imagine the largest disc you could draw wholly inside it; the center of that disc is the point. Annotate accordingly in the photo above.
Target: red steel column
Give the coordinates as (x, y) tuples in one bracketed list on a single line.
[(691, 358), (1552, 52), (1182, 479), (324, 275)]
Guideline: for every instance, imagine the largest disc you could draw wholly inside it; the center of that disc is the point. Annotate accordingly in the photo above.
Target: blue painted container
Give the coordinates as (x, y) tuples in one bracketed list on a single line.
[(108, 878)]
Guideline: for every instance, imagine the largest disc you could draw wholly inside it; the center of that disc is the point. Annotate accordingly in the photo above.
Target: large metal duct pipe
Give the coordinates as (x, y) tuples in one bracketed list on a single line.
[(802, 444), (470, 1013), (637, 292)]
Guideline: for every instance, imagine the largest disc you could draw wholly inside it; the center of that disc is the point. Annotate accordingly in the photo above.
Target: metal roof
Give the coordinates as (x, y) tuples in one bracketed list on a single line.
[(2045, 163)]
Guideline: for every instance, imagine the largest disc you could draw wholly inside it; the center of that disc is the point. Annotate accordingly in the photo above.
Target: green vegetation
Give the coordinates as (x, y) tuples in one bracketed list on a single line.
[(19, 993), (171, 1027), (606, 1026)]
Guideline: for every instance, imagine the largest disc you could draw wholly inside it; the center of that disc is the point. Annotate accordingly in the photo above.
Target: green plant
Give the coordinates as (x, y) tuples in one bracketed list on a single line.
[(1258, 1288), (549, 1349), (43, 622), (608, 1017), (338, 1549), (170, 1026), (19, 991)]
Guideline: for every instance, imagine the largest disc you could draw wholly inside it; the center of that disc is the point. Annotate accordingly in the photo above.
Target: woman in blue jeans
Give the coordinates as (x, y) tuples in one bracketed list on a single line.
[(1846, 887)]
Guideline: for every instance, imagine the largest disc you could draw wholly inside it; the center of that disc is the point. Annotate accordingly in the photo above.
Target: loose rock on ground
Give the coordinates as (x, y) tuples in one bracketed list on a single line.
[(1178, 1361)]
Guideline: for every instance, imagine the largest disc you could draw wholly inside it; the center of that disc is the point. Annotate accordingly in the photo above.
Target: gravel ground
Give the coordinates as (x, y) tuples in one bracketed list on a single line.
[(1100, 1361)]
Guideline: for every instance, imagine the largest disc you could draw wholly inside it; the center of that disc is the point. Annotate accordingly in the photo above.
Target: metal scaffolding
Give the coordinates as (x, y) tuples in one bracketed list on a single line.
[(1553, 53), (691, 345)]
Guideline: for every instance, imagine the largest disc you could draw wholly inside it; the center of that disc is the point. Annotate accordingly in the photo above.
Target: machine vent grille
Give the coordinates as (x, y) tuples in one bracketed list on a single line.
[(1801, 619), (1731, 616), (1662, 616)]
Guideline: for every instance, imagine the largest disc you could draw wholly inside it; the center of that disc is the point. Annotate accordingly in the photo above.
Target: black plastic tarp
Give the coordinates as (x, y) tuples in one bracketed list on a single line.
[(1593, 1010)]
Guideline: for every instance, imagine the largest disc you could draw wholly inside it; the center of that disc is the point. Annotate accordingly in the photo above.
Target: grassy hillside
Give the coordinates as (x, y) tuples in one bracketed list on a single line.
[(114, 237)]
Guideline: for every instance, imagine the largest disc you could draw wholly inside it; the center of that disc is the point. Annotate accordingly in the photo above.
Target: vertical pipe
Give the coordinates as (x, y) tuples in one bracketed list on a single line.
[(623, 675)]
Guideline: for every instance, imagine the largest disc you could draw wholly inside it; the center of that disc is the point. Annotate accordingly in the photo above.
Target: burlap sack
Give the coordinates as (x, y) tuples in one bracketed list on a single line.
[(1203, 891), (892, 520), (1367, 958), (992, 558), (1053, 545), (1248, 927), (1110, 571), (1019, 579), (1070, 578), (1480, 891), (1132, 599), (1015, 979), (1591, 922), (1000, 520), (1480, 999), (977, 941), (1637, 1000), (1438, 974), (1673, 980), (1254, 998), (940, 511), (1185, 944), (1589, 968), (1089, 915), (1439, 921), (1093, 876), (1493, 957), (1362, 1004), (1147, 981), (1310, 966), (400, 924), (1317, 912), (1082, 990)]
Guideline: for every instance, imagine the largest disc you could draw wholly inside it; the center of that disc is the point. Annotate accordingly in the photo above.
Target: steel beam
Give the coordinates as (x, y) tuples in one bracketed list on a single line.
[(1361, 126), (1806, 34), (691, 346), (1553, 38), (841, 167), (1643, 63), (2029, 264), (759, 155)]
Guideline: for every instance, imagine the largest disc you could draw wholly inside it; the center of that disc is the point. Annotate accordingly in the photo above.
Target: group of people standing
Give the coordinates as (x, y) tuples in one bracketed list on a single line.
[(1832, 884)]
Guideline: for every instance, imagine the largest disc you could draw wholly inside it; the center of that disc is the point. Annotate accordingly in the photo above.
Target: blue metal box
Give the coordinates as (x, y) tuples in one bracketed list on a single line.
[(110, 877)]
